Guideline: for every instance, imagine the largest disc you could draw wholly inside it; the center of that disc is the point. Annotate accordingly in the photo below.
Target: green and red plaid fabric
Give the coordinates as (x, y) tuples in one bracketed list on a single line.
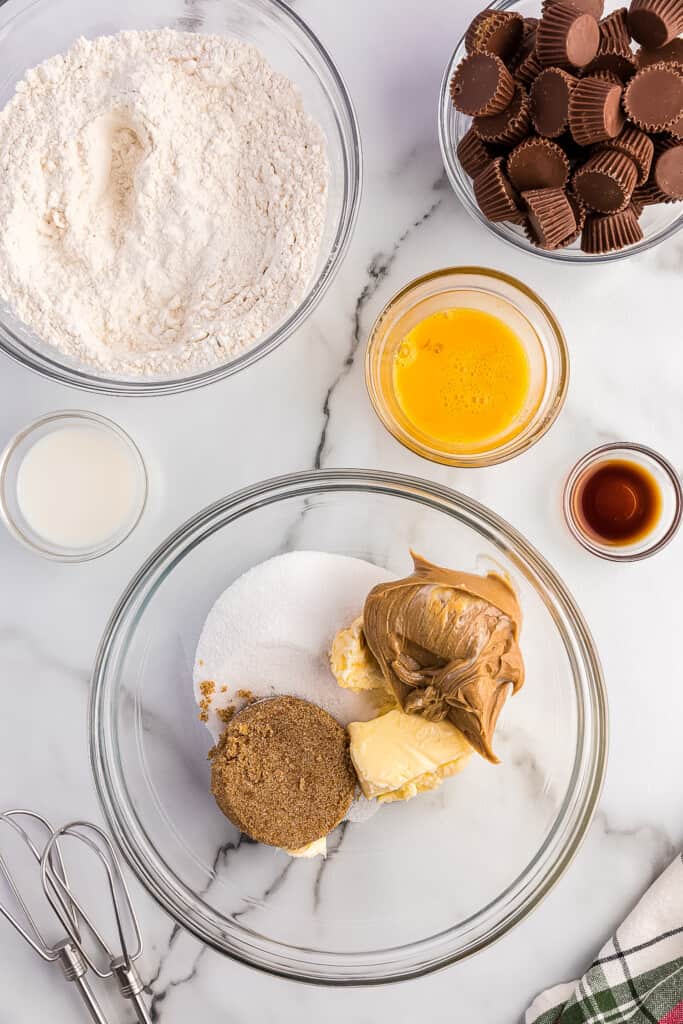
[(638, 976)]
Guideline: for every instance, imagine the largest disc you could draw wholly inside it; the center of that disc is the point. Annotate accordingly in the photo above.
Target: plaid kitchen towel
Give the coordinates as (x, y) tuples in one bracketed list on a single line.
[(638, 976)]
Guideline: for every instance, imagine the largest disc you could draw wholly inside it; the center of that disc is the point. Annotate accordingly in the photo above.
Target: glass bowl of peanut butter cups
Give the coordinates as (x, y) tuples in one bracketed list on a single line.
[(561, 125)]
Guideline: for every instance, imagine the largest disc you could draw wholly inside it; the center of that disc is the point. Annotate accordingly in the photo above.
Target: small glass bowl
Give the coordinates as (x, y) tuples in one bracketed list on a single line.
[(658, 222), (671, 494), (10, 463), (504, 297)]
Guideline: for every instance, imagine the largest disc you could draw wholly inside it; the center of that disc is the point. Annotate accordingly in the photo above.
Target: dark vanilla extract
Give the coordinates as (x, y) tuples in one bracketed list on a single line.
[(617, 502)]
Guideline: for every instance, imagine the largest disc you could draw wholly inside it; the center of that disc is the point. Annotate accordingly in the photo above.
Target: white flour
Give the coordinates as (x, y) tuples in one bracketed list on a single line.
[(271, 631), (162, 200)]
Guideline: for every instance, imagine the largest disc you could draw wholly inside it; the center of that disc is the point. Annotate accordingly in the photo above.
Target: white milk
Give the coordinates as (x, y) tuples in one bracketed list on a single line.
[(76, 486)]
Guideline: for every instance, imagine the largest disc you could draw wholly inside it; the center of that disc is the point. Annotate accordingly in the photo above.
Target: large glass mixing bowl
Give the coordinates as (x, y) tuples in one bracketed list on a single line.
[(420, 885), (33, 30)]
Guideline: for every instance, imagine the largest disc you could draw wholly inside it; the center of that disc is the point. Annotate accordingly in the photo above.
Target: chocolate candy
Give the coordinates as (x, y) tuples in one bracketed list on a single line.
[(673, 51), (654, 97), (566, 37), (472, 153), (498, 32), (667, 170), (549, 95), (579, 216), (606, 181), (538, 163), (496, 197), (550, 217), (638, 146), (508, 127), (528, 68), (675, 129), (609, 233), (655, 23), (615, 59), (595, 110), (481, 85), (650, 194), (614, 29)]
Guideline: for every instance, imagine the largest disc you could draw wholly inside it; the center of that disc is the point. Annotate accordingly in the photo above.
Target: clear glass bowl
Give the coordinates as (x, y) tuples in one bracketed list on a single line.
[(423, 883), (664, 475), (658, 222), (502, 296), (32, 30), (10, 463)]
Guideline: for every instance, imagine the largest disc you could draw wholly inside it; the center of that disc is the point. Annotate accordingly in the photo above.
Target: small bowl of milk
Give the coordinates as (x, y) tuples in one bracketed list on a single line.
[(73, 485)]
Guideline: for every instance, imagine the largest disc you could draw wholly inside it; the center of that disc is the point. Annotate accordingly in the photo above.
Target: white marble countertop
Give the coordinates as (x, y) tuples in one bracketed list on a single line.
[(306, 406)]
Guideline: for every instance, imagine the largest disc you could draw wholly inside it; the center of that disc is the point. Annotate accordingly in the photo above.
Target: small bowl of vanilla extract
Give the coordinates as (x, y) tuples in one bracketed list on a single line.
[(623, 502)]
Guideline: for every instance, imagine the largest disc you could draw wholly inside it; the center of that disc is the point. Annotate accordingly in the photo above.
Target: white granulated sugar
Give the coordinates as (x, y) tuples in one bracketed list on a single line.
[(162, 201), (271, 631)]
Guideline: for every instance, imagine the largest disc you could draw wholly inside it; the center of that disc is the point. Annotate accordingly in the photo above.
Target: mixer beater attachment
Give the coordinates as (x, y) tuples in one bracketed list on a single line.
[(84, 946)]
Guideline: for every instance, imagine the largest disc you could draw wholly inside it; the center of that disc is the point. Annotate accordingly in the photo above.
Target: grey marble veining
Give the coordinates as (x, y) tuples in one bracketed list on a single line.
[(306, 406)]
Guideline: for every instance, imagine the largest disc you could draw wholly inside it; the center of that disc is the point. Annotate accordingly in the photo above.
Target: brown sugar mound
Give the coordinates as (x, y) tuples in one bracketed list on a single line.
[(281, 772)]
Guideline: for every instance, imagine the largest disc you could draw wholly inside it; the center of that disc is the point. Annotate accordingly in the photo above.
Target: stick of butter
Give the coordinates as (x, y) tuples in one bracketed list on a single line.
[(318, 848), (397, 756)]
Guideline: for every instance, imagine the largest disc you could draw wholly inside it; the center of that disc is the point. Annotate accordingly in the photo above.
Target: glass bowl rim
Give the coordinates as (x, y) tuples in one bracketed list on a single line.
[(456, 177), (596, 455), (82, 378), (63, 416), (425, 955), (514, 446)]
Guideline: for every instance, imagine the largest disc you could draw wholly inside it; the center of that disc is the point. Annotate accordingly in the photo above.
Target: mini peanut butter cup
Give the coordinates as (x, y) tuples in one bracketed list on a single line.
[(530, 26), (496, 197), (508, 127), (550, 217), (527, 69), (615, 59), (654, 97), (498, 32), (481, 85), (638, 146), (472, 153), (606, 181), (580, 218), (654, 23), (614, 29), (672, 52), (637, 206), (607, 76), (549, 97), (650, 194), (527, 45), (667, 168), (537, 163), (595, 110), (611, 232), (675, 129), (566, 37), (594, 7)]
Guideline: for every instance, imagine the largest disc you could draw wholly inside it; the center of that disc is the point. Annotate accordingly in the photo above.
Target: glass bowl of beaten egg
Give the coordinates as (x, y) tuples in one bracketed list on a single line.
[(657, 222), (467, 367), (424, 882)]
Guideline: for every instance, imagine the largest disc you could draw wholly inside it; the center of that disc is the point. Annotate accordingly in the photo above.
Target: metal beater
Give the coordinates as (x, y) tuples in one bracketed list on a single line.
[(84, 946)]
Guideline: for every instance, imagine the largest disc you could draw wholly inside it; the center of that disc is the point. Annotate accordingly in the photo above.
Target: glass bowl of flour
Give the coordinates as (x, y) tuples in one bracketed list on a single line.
[(179, 184), (266, 576)]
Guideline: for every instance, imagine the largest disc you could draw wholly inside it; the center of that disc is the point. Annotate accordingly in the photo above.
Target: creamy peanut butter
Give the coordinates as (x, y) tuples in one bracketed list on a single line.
[(447, 644)]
